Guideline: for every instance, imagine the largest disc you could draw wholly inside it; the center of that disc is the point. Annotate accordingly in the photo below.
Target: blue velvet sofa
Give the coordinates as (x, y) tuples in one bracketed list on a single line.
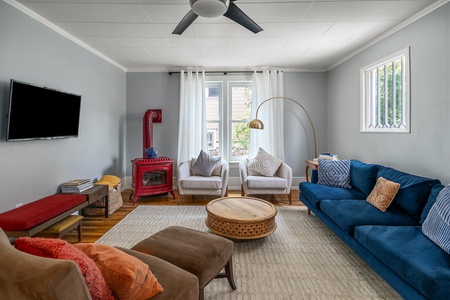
[(391, 242)]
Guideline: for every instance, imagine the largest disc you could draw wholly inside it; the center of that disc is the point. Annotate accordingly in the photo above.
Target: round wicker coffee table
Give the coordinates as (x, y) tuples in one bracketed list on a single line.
[(241, 218)]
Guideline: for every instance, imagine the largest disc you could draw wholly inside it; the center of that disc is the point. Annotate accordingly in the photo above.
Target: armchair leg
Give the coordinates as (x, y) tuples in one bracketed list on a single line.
[(226, 192), (242, 190), (290, 197)]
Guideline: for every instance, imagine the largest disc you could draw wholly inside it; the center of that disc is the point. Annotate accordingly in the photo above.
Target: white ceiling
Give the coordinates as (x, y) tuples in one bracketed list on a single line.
[(297, 35)]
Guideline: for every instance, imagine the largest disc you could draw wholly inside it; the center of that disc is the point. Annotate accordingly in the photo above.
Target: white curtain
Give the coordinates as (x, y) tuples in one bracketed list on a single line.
[(266, 85), (192, 128)]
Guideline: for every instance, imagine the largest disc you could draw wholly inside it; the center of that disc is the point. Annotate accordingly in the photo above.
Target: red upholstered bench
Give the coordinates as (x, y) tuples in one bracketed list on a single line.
[(33, 217)]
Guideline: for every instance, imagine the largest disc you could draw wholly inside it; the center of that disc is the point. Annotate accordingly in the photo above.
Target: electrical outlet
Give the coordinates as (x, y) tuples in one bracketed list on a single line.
[(18, 205)]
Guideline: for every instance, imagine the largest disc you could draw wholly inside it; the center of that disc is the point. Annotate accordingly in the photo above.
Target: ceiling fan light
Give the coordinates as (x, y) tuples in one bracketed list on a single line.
[(209, 8)]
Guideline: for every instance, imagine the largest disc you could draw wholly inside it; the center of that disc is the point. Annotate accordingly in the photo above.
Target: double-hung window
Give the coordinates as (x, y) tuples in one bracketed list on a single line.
[(228, 103), (385, 90)]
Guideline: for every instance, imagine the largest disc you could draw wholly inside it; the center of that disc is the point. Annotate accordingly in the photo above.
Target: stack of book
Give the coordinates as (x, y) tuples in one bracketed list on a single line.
[(76, 186), (329, 156)]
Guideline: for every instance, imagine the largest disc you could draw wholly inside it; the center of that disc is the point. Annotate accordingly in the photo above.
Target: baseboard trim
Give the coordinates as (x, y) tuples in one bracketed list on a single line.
[(234, 183)]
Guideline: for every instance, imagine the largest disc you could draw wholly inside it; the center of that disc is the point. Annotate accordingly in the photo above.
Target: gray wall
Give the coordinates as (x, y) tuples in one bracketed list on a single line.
[(31, 52), (161, 91), (425, 151)]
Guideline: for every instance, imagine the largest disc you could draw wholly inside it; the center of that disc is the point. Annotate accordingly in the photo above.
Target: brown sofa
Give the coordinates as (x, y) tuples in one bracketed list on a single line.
[(25, 276)]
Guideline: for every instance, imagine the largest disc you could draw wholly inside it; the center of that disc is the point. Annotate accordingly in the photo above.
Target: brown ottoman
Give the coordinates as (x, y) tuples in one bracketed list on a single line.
[(200, 253)]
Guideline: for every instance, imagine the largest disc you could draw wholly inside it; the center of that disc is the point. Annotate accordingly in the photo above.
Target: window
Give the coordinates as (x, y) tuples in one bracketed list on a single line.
[(385, 103), (228, 100)]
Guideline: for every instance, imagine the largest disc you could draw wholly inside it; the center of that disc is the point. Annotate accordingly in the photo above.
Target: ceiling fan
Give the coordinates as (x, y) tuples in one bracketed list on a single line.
[(216, 8)]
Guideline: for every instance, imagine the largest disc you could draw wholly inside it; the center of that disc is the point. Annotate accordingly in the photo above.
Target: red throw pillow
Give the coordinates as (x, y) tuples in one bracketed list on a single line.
[(60, 249)]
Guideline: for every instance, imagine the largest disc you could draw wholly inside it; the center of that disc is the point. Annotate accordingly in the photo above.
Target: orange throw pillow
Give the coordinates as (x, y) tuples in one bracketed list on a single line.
[(128, 277), (383, 193)]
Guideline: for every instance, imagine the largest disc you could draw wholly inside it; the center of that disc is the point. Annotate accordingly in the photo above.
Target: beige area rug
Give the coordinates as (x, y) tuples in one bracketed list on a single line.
[(302, 259)]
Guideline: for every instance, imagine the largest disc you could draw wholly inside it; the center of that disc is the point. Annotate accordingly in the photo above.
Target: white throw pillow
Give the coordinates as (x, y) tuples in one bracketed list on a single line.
[(264, 164)]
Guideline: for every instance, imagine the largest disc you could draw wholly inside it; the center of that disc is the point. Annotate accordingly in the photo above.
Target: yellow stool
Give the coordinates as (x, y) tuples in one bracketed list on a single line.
[(64, 226)]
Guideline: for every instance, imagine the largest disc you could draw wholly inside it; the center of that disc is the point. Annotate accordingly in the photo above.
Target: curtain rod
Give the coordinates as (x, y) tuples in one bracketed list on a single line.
[(223, 72)]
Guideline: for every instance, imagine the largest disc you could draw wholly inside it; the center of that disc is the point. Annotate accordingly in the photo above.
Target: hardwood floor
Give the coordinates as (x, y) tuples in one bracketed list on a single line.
[(95, 227)]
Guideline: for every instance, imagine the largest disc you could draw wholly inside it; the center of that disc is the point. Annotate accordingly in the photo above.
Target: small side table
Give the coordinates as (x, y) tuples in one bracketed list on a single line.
[(95, 193), (313, 164)]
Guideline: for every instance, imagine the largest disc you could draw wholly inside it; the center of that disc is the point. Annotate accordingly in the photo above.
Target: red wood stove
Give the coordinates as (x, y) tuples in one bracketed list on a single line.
[(151, 176)]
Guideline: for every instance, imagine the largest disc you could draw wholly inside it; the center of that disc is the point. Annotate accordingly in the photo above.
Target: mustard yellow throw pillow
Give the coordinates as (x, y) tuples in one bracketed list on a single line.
[(128, 277), (383, 193)]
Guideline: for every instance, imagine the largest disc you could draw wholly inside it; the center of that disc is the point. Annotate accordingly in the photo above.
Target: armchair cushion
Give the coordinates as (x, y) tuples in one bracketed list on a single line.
[(262, 182), (201, 182), (205, 164), (264, 164)]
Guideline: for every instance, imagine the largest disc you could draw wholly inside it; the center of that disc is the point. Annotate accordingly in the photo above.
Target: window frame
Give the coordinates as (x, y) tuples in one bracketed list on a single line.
[(226, 82), (366, 99)]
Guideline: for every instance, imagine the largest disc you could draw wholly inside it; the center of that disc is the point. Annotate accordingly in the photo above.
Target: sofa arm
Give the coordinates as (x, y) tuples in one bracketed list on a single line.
[(224, 174), (26, 276), (184, 170), (284, 171), (243, 170)]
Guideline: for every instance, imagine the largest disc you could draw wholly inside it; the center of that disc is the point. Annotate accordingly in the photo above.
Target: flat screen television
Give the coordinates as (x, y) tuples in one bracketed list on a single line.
[(41, 113)]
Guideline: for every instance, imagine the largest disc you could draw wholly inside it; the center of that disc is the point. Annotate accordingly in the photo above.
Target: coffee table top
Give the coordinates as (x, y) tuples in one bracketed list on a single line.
[(241, 209)]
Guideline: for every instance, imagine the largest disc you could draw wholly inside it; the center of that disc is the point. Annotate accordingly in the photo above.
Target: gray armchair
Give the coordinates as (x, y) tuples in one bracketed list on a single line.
[(190, 184), (280, 183)]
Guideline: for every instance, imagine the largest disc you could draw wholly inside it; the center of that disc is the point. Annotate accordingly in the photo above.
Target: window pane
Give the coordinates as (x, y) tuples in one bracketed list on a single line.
[(240, 139), (241, 99), (212, 103), (212, 132)]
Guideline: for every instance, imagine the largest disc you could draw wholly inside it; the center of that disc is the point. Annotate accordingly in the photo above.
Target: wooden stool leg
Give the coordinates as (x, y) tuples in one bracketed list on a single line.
[(79, 231), (201, 294), (229, 272)]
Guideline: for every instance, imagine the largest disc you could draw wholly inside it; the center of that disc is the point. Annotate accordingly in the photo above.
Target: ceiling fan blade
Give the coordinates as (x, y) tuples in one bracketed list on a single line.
[(185, 22), (237, 15)]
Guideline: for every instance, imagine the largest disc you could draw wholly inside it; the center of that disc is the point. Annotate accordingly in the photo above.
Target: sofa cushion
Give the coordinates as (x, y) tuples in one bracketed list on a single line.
[(413, 193), (334, 173), (383, 193), (264, 164), (317, 192), (60, 249), (348, 214), (261, 182), (437, 224), (128, 277), (411, 255), (363, 176), (200, 182), (431, 199), (204, 164)]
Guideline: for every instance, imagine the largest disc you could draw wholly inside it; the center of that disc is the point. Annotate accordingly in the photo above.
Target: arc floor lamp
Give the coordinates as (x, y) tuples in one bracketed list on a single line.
[(258, 124)]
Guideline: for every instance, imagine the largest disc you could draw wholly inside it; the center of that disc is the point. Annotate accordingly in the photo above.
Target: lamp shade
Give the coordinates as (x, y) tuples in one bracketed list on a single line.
[(256, 124)]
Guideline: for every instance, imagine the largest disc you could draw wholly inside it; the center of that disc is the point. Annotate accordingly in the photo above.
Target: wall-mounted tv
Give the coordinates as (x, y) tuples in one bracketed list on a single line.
[(40, 113)]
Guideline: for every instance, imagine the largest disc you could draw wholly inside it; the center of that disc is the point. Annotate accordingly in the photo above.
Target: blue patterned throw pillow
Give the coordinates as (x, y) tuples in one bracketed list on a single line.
[(437, 224), (334, 173)]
